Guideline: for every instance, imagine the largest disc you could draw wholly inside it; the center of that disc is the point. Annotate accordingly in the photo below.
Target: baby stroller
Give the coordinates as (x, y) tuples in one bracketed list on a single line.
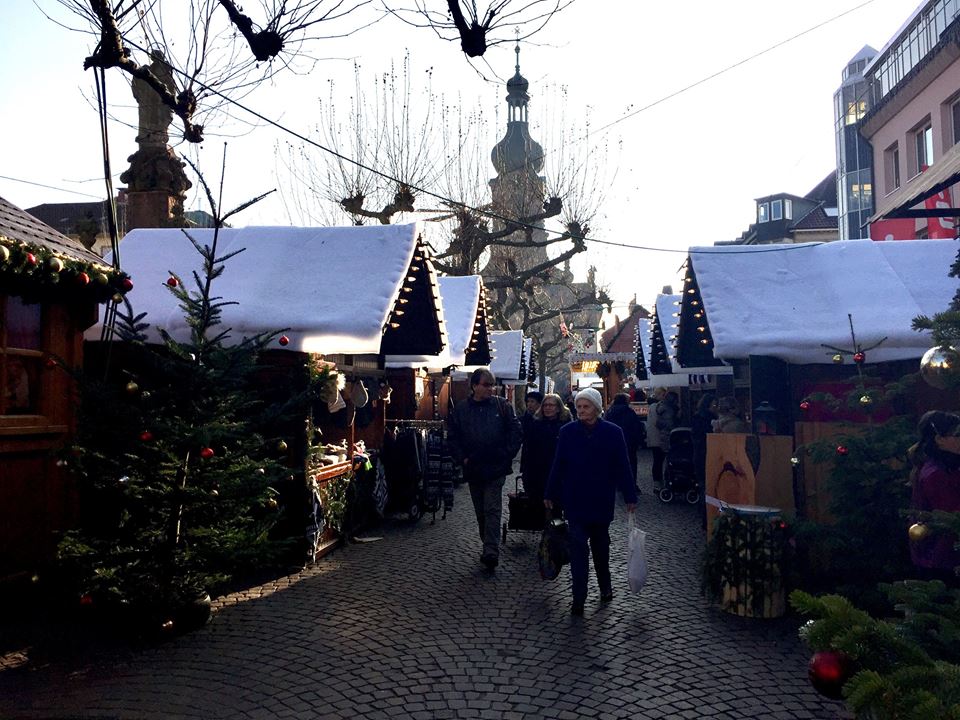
[(679, 475)]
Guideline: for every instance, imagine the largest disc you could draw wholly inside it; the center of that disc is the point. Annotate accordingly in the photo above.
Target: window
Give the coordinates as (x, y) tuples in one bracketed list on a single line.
[(776, 210), (891, 168), (763, 212), (788, 208), (955, 121), (923, 140), (20, 356)]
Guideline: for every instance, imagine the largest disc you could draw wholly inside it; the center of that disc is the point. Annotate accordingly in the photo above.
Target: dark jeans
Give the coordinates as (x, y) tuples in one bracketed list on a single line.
[(487, 496), (598, 536), (658, 457)]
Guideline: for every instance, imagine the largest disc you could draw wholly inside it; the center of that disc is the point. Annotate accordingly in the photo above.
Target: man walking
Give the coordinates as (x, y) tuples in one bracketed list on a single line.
[(485, 435)]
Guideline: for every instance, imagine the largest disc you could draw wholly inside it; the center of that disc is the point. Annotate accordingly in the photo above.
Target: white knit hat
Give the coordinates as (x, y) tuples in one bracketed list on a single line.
[(593, 395)]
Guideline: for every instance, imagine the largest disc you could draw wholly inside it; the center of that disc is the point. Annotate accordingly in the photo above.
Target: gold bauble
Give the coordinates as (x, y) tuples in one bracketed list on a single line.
[(940, 367), (282, 446), (132, 388), (794, 461), (838, 359), (918, 531), (866, 400), (272, 503)]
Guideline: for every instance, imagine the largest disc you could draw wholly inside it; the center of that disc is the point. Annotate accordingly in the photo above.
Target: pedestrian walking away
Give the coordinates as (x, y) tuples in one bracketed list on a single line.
[(540, 445), (664, 416), (485, 435), (622, 415), (590, 465)]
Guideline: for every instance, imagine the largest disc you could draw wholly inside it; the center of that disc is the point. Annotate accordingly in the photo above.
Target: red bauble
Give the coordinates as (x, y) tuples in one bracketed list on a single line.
[(82, 278), (127, 284), (172, 281), (207, 453), (31, 259), (805, 405), (859, 358), (146, 436), (842, 450), (283, 340), (50, 362), (86, 599), (829, 671)]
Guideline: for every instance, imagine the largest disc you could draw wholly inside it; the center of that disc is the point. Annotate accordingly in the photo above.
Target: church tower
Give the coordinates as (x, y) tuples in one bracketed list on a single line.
[(518, 189)]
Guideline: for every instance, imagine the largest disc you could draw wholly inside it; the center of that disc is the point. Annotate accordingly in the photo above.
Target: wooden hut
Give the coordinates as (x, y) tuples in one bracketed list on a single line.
[(50, 286)]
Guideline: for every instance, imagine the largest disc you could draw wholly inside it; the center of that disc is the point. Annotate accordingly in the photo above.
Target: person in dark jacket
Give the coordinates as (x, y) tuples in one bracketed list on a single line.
[(533, 400), (622, 415), (589, 467), (484, 437), (540, 445), (700, 426)]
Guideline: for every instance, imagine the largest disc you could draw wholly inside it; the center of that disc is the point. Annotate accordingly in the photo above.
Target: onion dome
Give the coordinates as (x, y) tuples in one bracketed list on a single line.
[(517, 150)]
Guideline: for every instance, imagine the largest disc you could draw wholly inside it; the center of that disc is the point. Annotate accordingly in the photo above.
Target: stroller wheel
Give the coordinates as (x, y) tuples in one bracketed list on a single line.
[(666, 495), (414, 511), (693, 496)]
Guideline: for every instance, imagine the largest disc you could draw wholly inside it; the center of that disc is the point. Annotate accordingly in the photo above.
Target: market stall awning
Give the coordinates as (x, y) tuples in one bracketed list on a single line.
[(900, 203), (338, 290), (787, 301), (508, 355)]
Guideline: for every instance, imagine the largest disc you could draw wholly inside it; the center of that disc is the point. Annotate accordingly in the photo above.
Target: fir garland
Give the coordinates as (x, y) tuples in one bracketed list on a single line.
[(40, 274)]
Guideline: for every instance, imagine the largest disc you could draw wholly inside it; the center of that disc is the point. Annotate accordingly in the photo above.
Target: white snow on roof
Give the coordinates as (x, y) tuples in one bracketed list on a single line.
[(668, 306), (460, 298), (509, 346), (785, 301), (643, 331), (331, 288), (527, 351)]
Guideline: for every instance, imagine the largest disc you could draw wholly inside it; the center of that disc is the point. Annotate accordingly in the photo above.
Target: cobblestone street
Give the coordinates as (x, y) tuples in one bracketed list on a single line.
[(412, 627)]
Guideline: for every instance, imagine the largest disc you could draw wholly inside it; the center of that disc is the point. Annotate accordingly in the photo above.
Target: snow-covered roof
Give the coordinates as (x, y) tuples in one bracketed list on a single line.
[(508, 345), (523, 374), (336, 290), (460, 297), (785, 301)]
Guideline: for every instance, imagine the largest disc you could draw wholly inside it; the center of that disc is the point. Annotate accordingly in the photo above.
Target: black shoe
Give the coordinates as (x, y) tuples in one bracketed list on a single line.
[(577, 609), (606, 597), (490, 561)]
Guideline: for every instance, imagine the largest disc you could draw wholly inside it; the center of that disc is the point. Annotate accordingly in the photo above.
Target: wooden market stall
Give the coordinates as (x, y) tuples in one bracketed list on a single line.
[(789, 319), (50, 286)]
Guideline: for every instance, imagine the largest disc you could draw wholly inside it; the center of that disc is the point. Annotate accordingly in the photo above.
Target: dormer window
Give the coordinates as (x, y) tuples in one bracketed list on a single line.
[(763, 212), (776, 210)]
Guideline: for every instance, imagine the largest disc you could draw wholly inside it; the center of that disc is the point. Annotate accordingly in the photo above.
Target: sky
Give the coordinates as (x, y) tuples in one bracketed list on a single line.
[(683, 164)]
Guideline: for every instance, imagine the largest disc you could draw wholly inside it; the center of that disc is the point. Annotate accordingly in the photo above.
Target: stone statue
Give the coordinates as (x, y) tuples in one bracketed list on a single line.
[(155, 116)]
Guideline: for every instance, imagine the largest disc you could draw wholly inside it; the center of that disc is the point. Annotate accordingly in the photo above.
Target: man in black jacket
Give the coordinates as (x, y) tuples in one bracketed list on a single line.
[(485, 435), (622, 415)]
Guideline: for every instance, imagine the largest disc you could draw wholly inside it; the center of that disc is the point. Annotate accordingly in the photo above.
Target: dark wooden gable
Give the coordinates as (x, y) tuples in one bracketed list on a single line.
[(641, 370), (660, 358), (478, 349), (694, 342), (413, 327)]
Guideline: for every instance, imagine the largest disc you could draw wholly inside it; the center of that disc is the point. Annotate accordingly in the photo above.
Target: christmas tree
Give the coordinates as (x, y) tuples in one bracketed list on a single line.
[(175, 464)]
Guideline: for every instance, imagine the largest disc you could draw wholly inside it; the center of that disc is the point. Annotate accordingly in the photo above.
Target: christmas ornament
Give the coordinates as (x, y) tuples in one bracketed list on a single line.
[(83, 279), (214, 492), (167, 626), (101, 279), (146, 436), (283, 340), (145, 394), (31, 259), (50, 362), (939, 367), (918, 531), (4, 253), (282, 446), (207, 453), (117, 298), (55, 264), (172, 281), (838, 359), (866, 401), (842, 450), (132, 388), (859, 357), (805, 405), (127, 285), (794, 461), (829, 671), (272, 503), (86, 599)]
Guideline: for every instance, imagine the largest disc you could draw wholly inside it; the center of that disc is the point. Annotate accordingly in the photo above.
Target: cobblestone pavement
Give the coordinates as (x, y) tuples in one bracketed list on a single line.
[(413, 627)]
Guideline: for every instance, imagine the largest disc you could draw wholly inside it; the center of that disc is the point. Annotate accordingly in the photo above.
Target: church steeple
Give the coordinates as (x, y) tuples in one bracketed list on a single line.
[(517, 150)]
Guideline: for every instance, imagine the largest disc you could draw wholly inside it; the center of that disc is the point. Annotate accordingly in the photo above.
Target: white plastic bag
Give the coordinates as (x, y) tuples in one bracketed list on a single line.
[(636, 557)]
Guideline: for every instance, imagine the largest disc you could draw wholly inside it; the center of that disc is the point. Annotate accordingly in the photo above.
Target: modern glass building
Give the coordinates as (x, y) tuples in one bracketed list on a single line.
[(854, 154)]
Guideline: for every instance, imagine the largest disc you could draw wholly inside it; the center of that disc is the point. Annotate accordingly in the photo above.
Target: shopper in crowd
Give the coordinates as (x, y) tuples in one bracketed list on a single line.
[(700, 426), (729, 417), (540, 445), (589, 467), (664, 416), (485, 435), (936, 486), (532, 401), (623, 416)]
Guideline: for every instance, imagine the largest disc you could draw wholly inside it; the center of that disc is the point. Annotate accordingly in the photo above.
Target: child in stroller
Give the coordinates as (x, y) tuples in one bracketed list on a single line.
[(679, 476)]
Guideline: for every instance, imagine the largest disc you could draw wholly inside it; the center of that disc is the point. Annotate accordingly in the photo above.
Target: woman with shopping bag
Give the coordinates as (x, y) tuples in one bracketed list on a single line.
[(589, 467)]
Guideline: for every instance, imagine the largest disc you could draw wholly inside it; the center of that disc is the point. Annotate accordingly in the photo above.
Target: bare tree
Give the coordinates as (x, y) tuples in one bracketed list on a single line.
[(478, 29), (215, 51)]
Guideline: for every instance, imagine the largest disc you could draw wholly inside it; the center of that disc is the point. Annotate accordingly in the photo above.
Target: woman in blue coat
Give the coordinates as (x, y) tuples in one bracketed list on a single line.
[(589, 467)]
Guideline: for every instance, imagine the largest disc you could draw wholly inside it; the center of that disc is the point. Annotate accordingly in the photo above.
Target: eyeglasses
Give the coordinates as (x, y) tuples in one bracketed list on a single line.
[(487, 384)]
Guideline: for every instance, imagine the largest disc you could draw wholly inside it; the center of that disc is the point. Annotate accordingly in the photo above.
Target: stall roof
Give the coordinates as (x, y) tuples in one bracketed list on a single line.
[(523, 374), (508, 348), (336, 290), (787, 301)]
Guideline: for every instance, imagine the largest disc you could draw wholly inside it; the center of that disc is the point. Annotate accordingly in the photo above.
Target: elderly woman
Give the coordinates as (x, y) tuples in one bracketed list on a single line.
[(540, 445), (589, 467)]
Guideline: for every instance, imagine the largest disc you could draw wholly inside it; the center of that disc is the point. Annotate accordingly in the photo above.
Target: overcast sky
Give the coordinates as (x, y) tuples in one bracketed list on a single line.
[(683, 172)]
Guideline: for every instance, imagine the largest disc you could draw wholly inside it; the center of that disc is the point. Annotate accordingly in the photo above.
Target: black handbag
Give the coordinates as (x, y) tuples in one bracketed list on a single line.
[(554, 551)]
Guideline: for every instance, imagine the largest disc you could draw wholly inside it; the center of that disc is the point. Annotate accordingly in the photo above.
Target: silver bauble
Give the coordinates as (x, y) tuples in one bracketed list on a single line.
[(940, 367)]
